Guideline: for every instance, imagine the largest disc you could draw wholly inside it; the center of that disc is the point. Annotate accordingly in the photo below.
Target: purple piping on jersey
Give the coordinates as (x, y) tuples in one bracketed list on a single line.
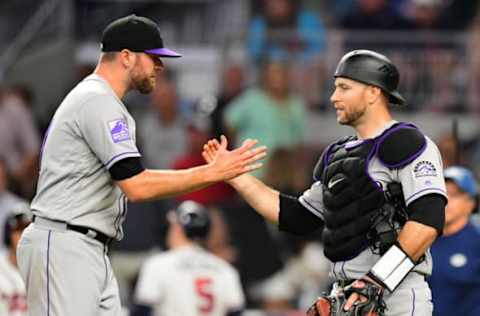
[(395, 128), (427, 189), (119, 155), (372, 153), (354, 143), (48, 273), (326, 158), (413, 303), (43, 144)]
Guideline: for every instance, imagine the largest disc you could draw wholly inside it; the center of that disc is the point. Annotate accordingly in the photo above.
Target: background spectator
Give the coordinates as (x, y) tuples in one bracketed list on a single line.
[(283, 30), (455, 280), (270, 113), (197, 136), (233, 84), (187, 279), (13, 300), (8, 201), (19, 138), (162, 129)]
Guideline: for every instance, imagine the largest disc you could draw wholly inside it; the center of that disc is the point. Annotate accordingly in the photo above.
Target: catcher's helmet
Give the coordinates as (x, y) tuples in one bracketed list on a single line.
[(194, 218), (371, 68)]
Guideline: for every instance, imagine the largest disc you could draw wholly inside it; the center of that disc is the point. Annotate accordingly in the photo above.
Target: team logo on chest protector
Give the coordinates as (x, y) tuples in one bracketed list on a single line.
[(119, 130)]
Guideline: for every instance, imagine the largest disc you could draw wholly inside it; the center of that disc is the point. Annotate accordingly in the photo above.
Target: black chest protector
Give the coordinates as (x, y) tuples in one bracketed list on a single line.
[(353, 200)]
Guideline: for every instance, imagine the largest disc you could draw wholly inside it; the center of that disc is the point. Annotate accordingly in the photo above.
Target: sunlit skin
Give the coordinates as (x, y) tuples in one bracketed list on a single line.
[(349, 100), (457, 212), (361, 106), (128, 70)]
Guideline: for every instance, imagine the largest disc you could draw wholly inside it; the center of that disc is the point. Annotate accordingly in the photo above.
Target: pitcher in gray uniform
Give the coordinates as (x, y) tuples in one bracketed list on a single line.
[(379, 195), (90, 166)]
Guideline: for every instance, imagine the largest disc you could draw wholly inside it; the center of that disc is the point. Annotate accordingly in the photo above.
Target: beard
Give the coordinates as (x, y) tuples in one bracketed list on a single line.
[(143, 83), (351, 118)]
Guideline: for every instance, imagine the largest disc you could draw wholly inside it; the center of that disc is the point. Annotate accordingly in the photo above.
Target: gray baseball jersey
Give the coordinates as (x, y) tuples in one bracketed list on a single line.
[(422, 176), (189, 281), (90, 131)]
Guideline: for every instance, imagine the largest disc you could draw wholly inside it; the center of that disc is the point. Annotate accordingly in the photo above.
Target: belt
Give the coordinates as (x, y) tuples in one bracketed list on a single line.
[(92, 233)]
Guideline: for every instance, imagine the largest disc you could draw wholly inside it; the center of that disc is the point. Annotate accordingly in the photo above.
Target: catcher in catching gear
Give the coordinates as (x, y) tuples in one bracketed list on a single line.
[(378, 196)]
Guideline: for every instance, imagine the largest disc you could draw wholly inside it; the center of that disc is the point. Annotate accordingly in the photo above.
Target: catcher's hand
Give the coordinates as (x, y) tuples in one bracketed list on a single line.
[(361, 298)]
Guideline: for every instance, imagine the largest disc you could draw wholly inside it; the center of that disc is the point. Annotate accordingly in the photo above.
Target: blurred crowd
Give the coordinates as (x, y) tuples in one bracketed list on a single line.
[(286, 76)]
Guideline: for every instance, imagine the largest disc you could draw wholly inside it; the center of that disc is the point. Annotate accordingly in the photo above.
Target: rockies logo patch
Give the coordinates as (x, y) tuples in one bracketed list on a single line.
[(424, 169), (119, 130)]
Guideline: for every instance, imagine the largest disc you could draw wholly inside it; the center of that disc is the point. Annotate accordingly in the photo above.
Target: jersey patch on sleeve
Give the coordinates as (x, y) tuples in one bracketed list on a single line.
[(424, 169), (119, 130)]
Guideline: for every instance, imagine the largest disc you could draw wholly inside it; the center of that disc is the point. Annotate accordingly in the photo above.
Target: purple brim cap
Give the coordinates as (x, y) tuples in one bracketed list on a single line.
[(163, 52)]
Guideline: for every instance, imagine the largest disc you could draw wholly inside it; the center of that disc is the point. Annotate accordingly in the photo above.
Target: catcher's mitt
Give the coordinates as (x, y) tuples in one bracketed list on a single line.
[(332, 305)]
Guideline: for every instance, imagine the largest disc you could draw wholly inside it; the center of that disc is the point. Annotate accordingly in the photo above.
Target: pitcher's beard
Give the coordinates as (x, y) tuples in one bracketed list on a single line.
[(144, 85)]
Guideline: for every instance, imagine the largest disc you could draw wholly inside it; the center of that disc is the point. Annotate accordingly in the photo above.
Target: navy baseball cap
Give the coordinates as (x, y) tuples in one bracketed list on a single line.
[(136, 33), (463, 178)]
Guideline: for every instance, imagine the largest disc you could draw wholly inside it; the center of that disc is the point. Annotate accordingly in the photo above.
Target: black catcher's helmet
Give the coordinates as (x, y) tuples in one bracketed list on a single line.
[(371, 68), (194, 218)]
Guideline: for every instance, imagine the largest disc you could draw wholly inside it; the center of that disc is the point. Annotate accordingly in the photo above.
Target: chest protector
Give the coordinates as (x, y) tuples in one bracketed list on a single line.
[(353, 200)]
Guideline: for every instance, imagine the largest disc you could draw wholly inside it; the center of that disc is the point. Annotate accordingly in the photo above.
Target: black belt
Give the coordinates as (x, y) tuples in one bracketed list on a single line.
[(95, 234)]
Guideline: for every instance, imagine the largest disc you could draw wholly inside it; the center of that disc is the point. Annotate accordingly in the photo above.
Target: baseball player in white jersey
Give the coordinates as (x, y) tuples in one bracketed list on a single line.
[(187, 280), (13, 296), (90, 166), (379, 197)]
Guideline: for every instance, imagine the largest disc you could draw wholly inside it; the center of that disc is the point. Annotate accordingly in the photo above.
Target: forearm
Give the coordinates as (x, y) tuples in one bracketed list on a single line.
[(261, 197), (157, 184), (415, 238)]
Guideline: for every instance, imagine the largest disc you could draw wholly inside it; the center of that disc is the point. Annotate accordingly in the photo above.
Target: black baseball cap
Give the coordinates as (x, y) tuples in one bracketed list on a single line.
[(136, 33)]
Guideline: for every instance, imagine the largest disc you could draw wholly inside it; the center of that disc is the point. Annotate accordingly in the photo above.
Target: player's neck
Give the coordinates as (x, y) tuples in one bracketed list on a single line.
[(372, 123), (181, 243), (114, 79)]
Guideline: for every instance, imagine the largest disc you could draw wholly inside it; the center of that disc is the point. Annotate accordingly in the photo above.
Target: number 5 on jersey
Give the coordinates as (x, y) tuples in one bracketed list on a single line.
[(203, 288)]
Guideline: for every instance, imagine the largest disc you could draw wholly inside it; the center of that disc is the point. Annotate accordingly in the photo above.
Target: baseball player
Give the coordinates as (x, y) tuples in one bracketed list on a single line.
[(13, 298), (188, 280), (378, 195), (455, 280), (90, 166)]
